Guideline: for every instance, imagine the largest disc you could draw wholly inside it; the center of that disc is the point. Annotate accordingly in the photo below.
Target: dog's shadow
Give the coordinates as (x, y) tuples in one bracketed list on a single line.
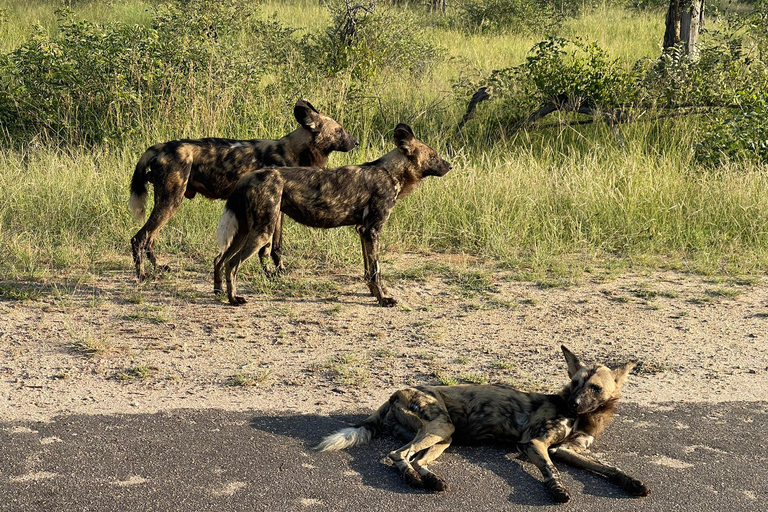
[(460, 465)]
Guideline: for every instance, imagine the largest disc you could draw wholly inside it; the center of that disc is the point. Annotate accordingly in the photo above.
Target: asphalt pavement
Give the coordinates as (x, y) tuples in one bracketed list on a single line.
[(694, 457)]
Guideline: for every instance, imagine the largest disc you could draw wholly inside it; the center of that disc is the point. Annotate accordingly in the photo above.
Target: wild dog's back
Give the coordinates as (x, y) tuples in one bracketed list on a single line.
[(329, 198)]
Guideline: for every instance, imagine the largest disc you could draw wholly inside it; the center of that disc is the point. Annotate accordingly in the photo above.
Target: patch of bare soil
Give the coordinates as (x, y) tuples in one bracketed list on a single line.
[(312, 343)]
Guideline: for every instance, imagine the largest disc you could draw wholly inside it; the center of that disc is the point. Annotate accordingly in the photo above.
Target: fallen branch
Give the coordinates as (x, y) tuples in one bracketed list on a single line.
[(480, 96)]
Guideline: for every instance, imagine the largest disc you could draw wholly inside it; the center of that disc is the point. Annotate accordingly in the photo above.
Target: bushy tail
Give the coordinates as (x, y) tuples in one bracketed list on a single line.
[(355, 436), (138, 200), (345, 438), (227, 229)]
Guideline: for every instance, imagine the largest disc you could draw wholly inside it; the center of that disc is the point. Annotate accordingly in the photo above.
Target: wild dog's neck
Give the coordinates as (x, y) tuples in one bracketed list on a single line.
[(305, 151), (402, 170), (593, 422)]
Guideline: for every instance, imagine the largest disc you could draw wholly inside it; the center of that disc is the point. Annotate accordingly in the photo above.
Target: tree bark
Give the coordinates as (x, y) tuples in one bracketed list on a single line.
[(672, 32), (684, 19)]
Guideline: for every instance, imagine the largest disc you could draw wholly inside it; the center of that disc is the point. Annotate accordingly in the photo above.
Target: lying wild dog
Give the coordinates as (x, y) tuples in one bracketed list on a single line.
[(561, 425), (212, 167), (359, 195)]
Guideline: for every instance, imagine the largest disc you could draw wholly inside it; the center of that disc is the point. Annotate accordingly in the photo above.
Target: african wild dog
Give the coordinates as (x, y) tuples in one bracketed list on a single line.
[(359, 195), (212, 167), (561, 425)]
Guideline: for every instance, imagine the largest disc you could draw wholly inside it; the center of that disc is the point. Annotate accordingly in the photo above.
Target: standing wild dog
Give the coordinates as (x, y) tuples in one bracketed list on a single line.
[(561, 425), (357, 195), (212, 167)]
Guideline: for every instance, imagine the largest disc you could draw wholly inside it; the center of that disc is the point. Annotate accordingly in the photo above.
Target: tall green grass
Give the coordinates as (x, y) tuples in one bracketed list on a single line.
[(528, 199)]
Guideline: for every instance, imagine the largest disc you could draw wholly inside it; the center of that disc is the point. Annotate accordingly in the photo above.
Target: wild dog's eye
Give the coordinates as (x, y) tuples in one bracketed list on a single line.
[(595, 388)]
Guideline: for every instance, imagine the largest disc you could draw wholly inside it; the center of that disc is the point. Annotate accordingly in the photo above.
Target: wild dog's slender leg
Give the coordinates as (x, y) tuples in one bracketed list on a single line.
[(403, 455), (360, 231), (615, 475), (168, 198), (223, 258), (536, 451), (428, 478), (277, 245), (253, 243), (425, 413), (217, 273), (370, 240)]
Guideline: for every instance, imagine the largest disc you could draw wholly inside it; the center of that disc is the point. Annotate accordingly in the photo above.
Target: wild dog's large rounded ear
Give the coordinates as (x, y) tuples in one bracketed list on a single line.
[(620, 374), (404, 138), (307, 116), (574, 365)]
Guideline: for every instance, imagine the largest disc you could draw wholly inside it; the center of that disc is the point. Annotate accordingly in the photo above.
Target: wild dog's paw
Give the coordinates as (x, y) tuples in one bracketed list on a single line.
[(162, 268), (237, 300), (413, 478), (387, 302), (559, 493), (433, 482), (635, 487)]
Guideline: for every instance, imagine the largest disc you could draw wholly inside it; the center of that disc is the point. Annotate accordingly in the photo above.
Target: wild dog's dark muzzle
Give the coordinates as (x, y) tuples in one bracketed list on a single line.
[(350, 144)]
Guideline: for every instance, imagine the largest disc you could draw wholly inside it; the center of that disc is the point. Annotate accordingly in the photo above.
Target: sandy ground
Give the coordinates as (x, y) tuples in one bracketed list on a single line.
[(317, 342)]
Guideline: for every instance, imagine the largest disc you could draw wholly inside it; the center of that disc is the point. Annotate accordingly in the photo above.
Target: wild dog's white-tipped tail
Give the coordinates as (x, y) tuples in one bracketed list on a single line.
[(138, 205), (345, 438), (227, 229)]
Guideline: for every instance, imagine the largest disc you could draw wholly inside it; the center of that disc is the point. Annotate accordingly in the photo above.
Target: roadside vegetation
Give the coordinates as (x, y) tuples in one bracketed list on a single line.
[(670, 170)]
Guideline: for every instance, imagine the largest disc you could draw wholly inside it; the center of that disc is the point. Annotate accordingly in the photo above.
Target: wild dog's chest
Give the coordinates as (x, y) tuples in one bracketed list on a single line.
[(553, 430), (565, 432)]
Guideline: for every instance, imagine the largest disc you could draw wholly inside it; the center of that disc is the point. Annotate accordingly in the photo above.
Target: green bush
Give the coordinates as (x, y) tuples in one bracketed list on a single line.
[(742, 137), (534, 16), (501, 15), (92, 83), (567, 73), (365, 39), (579, 73)]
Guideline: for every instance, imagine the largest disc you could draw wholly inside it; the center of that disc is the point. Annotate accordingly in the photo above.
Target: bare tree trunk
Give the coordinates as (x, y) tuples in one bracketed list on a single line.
[(684, 19), (672, 32), (696, 19)]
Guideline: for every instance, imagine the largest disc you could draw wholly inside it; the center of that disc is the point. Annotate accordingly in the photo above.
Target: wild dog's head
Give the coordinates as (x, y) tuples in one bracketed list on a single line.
[(423, 157), (327, 134), (594, 386)]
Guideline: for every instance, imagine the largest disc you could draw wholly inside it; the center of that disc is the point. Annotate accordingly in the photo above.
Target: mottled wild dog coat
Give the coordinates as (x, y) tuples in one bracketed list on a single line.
[(212, 167), (357, 195), (561, 426)]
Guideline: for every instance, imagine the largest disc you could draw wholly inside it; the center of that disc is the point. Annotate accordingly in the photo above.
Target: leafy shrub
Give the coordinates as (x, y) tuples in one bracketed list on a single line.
[(712, 79), (579, 73), (514, 15), (499, 15), (364, 39), (566, 73), (743, 136), (93, 82)]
